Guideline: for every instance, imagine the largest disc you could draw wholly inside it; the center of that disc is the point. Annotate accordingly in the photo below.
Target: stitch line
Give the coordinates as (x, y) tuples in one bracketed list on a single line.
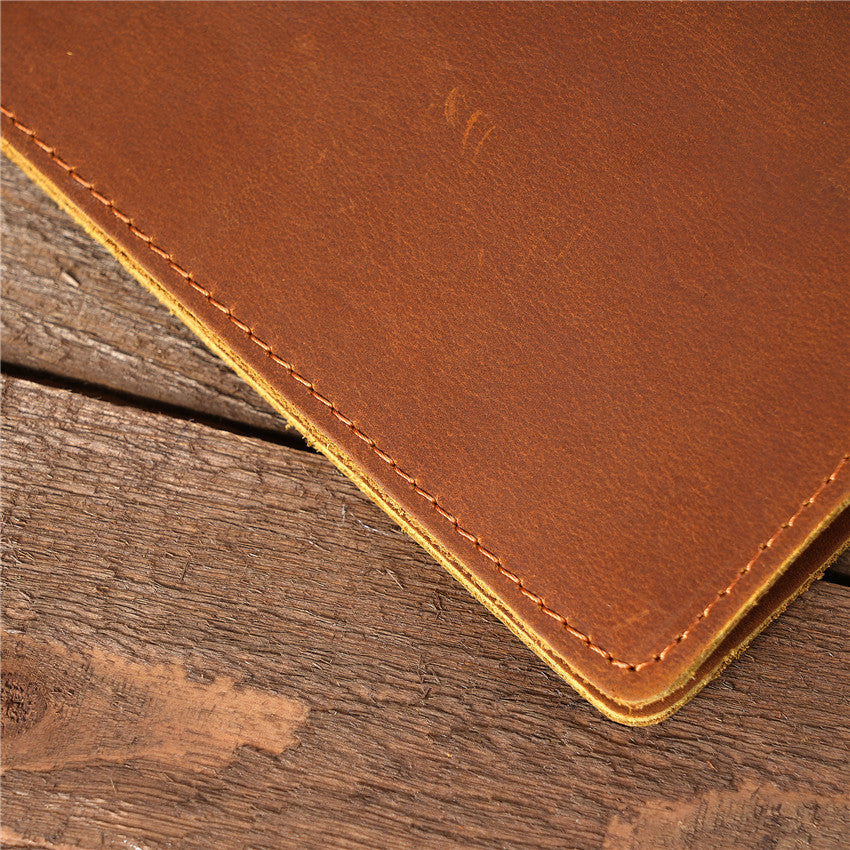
[(387, 459)]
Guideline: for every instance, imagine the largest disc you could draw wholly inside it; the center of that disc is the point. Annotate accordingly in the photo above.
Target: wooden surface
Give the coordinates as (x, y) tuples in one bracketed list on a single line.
[(212, 639)]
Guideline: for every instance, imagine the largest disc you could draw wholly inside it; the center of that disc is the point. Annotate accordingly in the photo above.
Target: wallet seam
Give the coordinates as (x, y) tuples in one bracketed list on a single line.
[(387, 459)]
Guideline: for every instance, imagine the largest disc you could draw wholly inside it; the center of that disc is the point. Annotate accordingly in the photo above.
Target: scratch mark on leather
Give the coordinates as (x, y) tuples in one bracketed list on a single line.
[(483, 139), (450, 109), (469, 125), (569, 246), (477, 119), (411, 480)]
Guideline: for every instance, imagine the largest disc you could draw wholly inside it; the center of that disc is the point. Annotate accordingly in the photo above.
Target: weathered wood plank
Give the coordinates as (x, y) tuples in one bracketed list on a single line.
[(840, 570), (216, 641), (70, 309)]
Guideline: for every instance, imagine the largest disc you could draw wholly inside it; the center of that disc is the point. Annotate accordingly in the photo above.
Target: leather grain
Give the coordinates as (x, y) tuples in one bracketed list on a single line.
[(563, 287)]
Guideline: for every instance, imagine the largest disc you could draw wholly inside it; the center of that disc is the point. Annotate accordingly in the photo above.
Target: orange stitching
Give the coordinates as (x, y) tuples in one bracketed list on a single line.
[(467, 535)]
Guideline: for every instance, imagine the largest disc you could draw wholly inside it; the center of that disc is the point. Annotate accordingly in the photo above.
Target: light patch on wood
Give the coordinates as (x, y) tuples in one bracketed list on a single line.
[(752, 816), (64, 709), (9, 837)]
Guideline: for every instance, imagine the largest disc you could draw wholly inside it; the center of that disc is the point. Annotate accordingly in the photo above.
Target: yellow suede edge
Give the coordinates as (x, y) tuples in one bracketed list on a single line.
[(315, 437)]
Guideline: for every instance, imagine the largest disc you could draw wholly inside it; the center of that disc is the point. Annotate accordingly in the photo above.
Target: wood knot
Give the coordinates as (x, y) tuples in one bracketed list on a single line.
[(22, 703)]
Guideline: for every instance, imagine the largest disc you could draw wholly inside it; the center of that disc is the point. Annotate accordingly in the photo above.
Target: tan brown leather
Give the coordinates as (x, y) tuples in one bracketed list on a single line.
[(564, 288)]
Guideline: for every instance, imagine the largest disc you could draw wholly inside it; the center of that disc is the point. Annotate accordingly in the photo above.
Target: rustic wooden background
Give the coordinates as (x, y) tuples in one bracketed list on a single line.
[(212, 640)]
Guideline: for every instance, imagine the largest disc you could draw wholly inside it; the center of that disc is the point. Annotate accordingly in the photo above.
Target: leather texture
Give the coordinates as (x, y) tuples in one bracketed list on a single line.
[(564, 288)]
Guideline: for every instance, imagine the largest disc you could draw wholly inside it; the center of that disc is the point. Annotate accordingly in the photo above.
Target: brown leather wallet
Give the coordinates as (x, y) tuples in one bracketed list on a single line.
[(562, 288)]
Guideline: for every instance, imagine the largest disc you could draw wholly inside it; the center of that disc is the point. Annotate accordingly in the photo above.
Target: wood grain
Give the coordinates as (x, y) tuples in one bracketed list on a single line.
[(144, 548), (70, 309)]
